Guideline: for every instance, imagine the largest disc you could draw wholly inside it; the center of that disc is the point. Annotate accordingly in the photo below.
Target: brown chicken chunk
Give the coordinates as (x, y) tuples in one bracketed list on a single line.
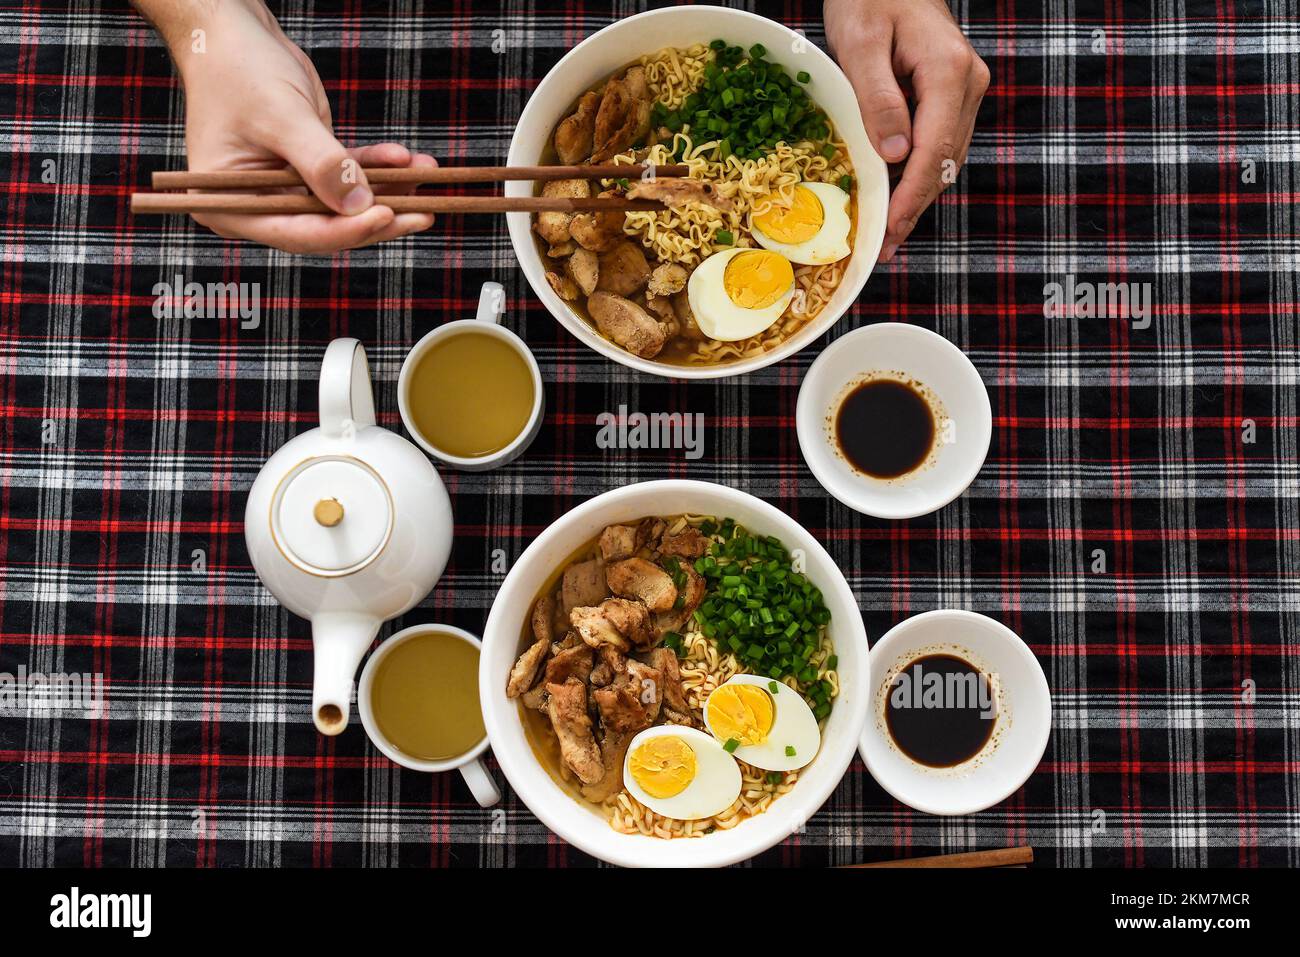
[(574, 662), (554, 227), (613, 750), (678, 192), (622, 709), (574, 134), (622, 119), (674, 696), (624, 270), (615, 621), (618, 542), (543, 618), (627, 324), (668, 279), (584, 268), (598, 231), (583, 584), (688, 543), (638, 578), (524, 672), (692, 594), (567, 709)]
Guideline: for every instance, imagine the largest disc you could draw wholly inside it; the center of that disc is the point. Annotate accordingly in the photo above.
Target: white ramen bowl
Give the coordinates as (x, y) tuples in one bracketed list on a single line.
[(622, 43), (579, 822)]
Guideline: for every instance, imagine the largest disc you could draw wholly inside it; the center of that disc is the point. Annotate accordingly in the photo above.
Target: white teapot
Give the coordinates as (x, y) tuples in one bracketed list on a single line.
[(348, 525)]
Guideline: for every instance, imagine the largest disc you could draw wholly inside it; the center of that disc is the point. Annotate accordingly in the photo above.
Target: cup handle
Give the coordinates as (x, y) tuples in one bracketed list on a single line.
[(480, 783), (491, 302)]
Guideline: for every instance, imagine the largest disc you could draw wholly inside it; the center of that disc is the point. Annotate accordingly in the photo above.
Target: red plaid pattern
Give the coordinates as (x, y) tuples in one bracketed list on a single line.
[(1117, 146)]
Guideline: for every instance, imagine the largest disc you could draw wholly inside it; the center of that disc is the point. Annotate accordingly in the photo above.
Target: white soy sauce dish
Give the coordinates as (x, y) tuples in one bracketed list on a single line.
[(1019, 693), (941, 378)]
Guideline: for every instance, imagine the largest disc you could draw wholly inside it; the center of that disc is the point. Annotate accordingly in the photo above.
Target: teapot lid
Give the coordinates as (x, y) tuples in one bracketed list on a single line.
[(332, 515)]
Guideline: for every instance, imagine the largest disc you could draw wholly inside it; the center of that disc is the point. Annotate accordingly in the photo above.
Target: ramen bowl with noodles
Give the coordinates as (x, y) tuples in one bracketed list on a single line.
[(730, 299), (705, 757)]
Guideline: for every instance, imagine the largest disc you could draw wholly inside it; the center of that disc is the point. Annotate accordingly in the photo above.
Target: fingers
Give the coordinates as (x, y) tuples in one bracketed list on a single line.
[(330, 171), (884, 108), (945, 88), (308, 233)]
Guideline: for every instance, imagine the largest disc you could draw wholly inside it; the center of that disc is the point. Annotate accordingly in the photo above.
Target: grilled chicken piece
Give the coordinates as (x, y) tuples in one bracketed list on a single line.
[(623, 270), (567, 709), (638, 578), (573, 135), (543, 618), (599, 231), (583, 585), (649, 532), (627, 324), (679, 192), (563, 285), (688, 543), (668, 279), (618, 542), (627, 706), (554, 227), (584, 267), (613, 749), (615, 621), (623, 117), (665, 660), (692, 595), (562, 250), (648, 684), (662, 307), (686, 324), (613, 658), (574, 662), (535, 697), (524, 672)]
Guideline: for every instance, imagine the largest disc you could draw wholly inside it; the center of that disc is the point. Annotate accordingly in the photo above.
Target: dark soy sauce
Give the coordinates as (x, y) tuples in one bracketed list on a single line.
[(884, 428), (951, 733)]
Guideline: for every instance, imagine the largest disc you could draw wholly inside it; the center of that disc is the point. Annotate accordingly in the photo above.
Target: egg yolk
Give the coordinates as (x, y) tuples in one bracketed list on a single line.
[(663, 766), (743, 712), (757, 278), (796, 223)]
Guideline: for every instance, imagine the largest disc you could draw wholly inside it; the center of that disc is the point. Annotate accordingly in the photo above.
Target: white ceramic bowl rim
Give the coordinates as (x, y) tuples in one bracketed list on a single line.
[(701, 24), (972, 800), (560, 811)]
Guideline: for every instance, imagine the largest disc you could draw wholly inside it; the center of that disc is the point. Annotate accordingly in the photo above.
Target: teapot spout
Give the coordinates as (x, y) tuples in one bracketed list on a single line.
[(339, 640)]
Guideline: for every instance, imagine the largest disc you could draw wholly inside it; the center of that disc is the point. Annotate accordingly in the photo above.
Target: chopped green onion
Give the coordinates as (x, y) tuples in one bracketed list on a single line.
[(773, 687), (802, 76), (724, 237), (731, 746), (789, 750)]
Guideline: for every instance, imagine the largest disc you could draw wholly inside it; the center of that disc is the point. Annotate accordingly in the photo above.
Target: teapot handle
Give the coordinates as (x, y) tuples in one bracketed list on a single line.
[(347, 402)]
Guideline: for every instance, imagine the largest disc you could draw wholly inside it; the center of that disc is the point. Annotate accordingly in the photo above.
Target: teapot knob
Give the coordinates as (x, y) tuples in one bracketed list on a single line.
[(328, 512)]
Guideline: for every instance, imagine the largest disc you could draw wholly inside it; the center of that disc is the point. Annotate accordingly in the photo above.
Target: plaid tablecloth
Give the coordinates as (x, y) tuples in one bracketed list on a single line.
[(1136, 521)]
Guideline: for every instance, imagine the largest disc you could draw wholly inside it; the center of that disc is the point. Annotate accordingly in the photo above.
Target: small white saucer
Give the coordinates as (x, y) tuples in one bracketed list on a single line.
[(954, 390), (1019, 735)]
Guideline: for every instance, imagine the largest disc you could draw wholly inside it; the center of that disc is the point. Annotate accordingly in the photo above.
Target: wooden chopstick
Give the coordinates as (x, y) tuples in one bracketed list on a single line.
[(267, 178), (242, 203), (1000, 857)]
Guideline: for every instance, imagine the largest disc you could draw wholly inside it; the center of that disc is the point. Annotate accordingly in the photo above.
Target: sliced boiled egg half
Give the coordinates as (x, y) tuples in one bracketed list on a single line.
[(812, 230), (772, 726), (737, 293), (681, 773)]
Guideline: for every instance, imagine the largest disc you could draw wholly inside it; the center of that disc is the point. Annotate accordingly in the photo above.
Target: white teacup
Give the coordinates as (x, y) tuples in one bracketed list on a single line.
[(491, 306), (470, 764)]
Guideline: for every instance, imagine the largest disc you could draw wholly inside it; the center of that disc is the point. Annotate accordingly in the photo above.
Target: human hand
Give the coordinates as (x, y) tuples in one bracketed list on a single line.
[(878, 41), (254, 101)]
